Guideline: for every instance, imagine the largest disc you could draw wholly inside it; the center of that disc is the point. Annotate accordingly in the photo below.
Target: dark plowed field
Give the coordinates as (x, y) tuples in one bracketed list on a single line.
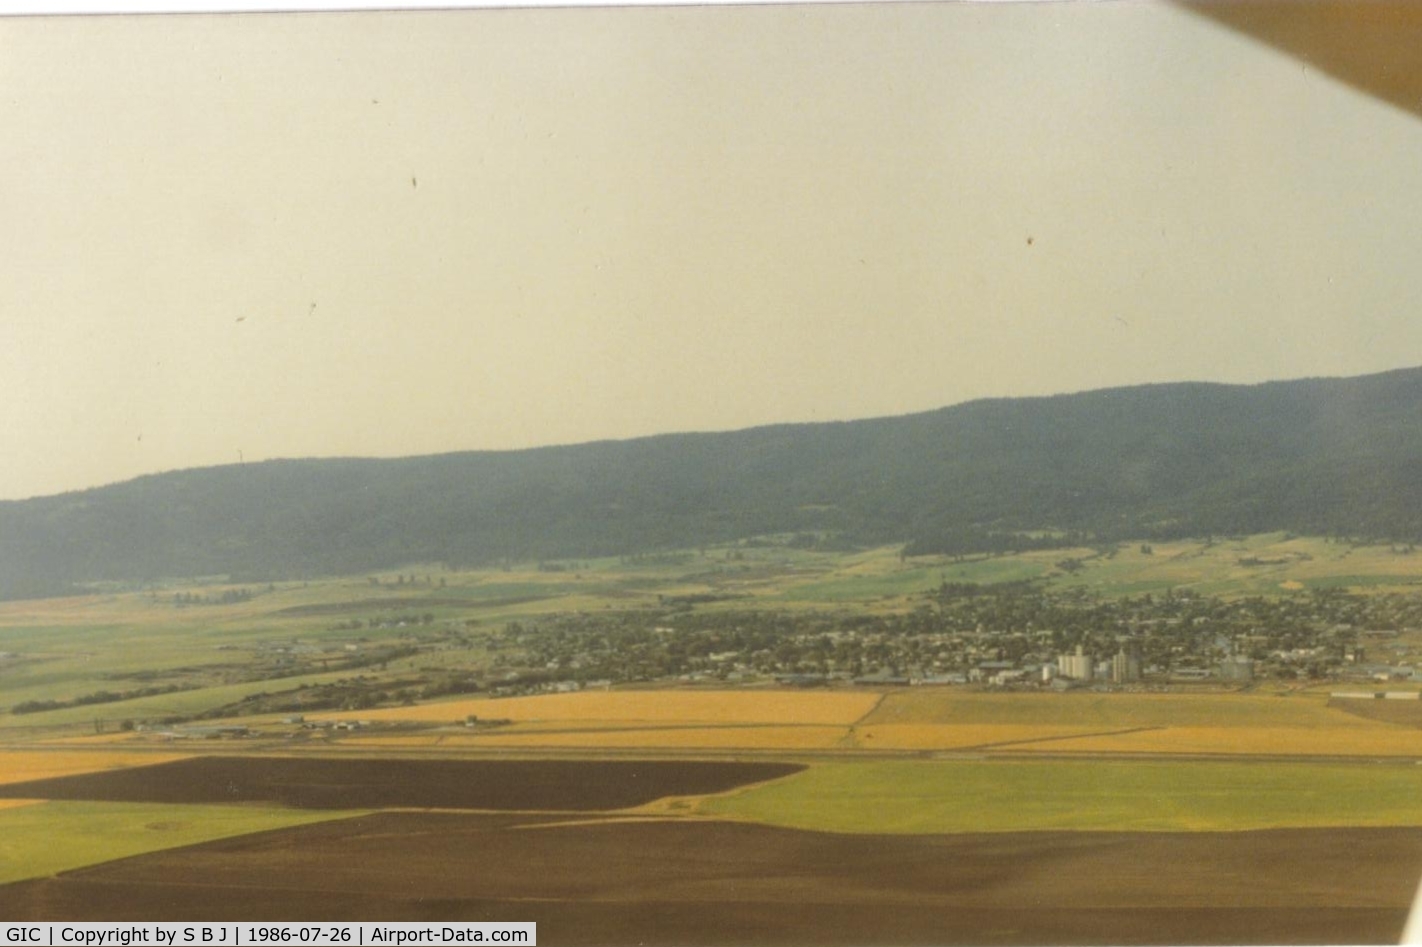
[(433, 784), (695, 882)]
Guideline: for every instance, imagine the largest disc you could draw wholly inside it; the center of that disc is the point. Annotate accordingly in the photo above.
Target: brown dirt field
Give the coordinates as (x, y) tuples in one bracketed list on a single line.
[(1406, 713), (434, 784), (705, 882)]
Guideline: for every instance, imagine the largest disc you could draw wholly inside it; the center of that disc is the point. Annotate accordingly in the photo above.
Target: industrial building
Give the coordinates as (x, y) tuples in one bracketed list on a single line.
[(1075, 666), (1126, 665)]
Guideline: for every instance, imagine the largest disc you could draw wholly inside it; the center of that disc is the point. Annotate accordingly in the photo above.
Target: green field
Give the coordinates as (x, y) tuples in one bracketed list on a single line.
[(1012, 796), (50, 837), (1265, 564), (188, 702)]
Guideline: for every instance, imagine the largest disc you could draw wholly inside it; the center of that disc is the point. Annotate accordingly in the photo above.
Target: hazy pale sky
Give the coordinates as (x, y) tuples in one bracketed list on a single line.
[(394, 233)]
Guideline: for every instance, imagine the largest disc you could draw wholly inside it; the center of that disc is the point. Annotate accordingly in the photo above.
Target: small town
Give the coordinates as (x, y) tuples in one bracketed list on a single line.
[(1012, 636)]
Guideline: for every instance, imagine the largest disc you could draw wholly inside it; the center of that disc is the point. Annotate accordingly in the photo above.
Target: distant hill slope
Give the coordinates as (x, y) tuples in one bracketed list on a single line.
[(1316, 456)]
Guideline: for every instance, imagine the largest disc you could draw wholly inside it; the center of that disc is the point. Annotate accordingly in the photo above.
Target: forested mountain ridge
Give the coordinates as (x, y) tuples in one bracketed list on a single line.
[(1331, 456)]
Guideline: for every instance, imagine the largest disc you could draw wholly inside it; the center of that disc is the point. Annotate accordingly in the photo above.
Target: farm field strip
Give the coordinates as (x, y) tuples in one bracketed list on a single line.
[(26, 765), (1284, 741), (370, 783), (656, 738), (1118, 710), (178, 702), (1404, 713), (1095, 795), (595, 726), (40, 840), (750, 736), (939, 736), (673, 706), (1162, 740)]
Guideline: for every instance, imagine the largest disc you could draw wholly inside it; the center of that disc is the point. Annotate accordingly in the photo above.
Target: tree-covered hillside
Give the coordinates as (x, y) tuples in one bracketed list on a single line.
[(1339, 456)]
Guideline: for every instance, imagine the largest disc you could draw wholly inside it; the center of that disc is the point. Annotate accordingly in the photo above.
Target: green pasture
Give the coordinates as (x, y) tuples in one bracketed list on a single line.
[(883, 574), (994, 569), (1010, 796), (1264, 564), (849, 588), (477, 592), (180, 703), (49, 837)]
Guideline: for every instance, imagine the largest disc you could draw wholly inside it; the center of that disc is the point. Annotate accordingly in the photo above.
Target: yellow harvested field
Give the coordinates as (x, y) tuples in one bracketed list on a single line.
[(748, 738), (528, 726), (1264, 741), (428, 740), (669, 706), (443, 740), (23, 766), (1112, 711), (929, 736), (16, 803), (1383, 741), (59, 611)]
